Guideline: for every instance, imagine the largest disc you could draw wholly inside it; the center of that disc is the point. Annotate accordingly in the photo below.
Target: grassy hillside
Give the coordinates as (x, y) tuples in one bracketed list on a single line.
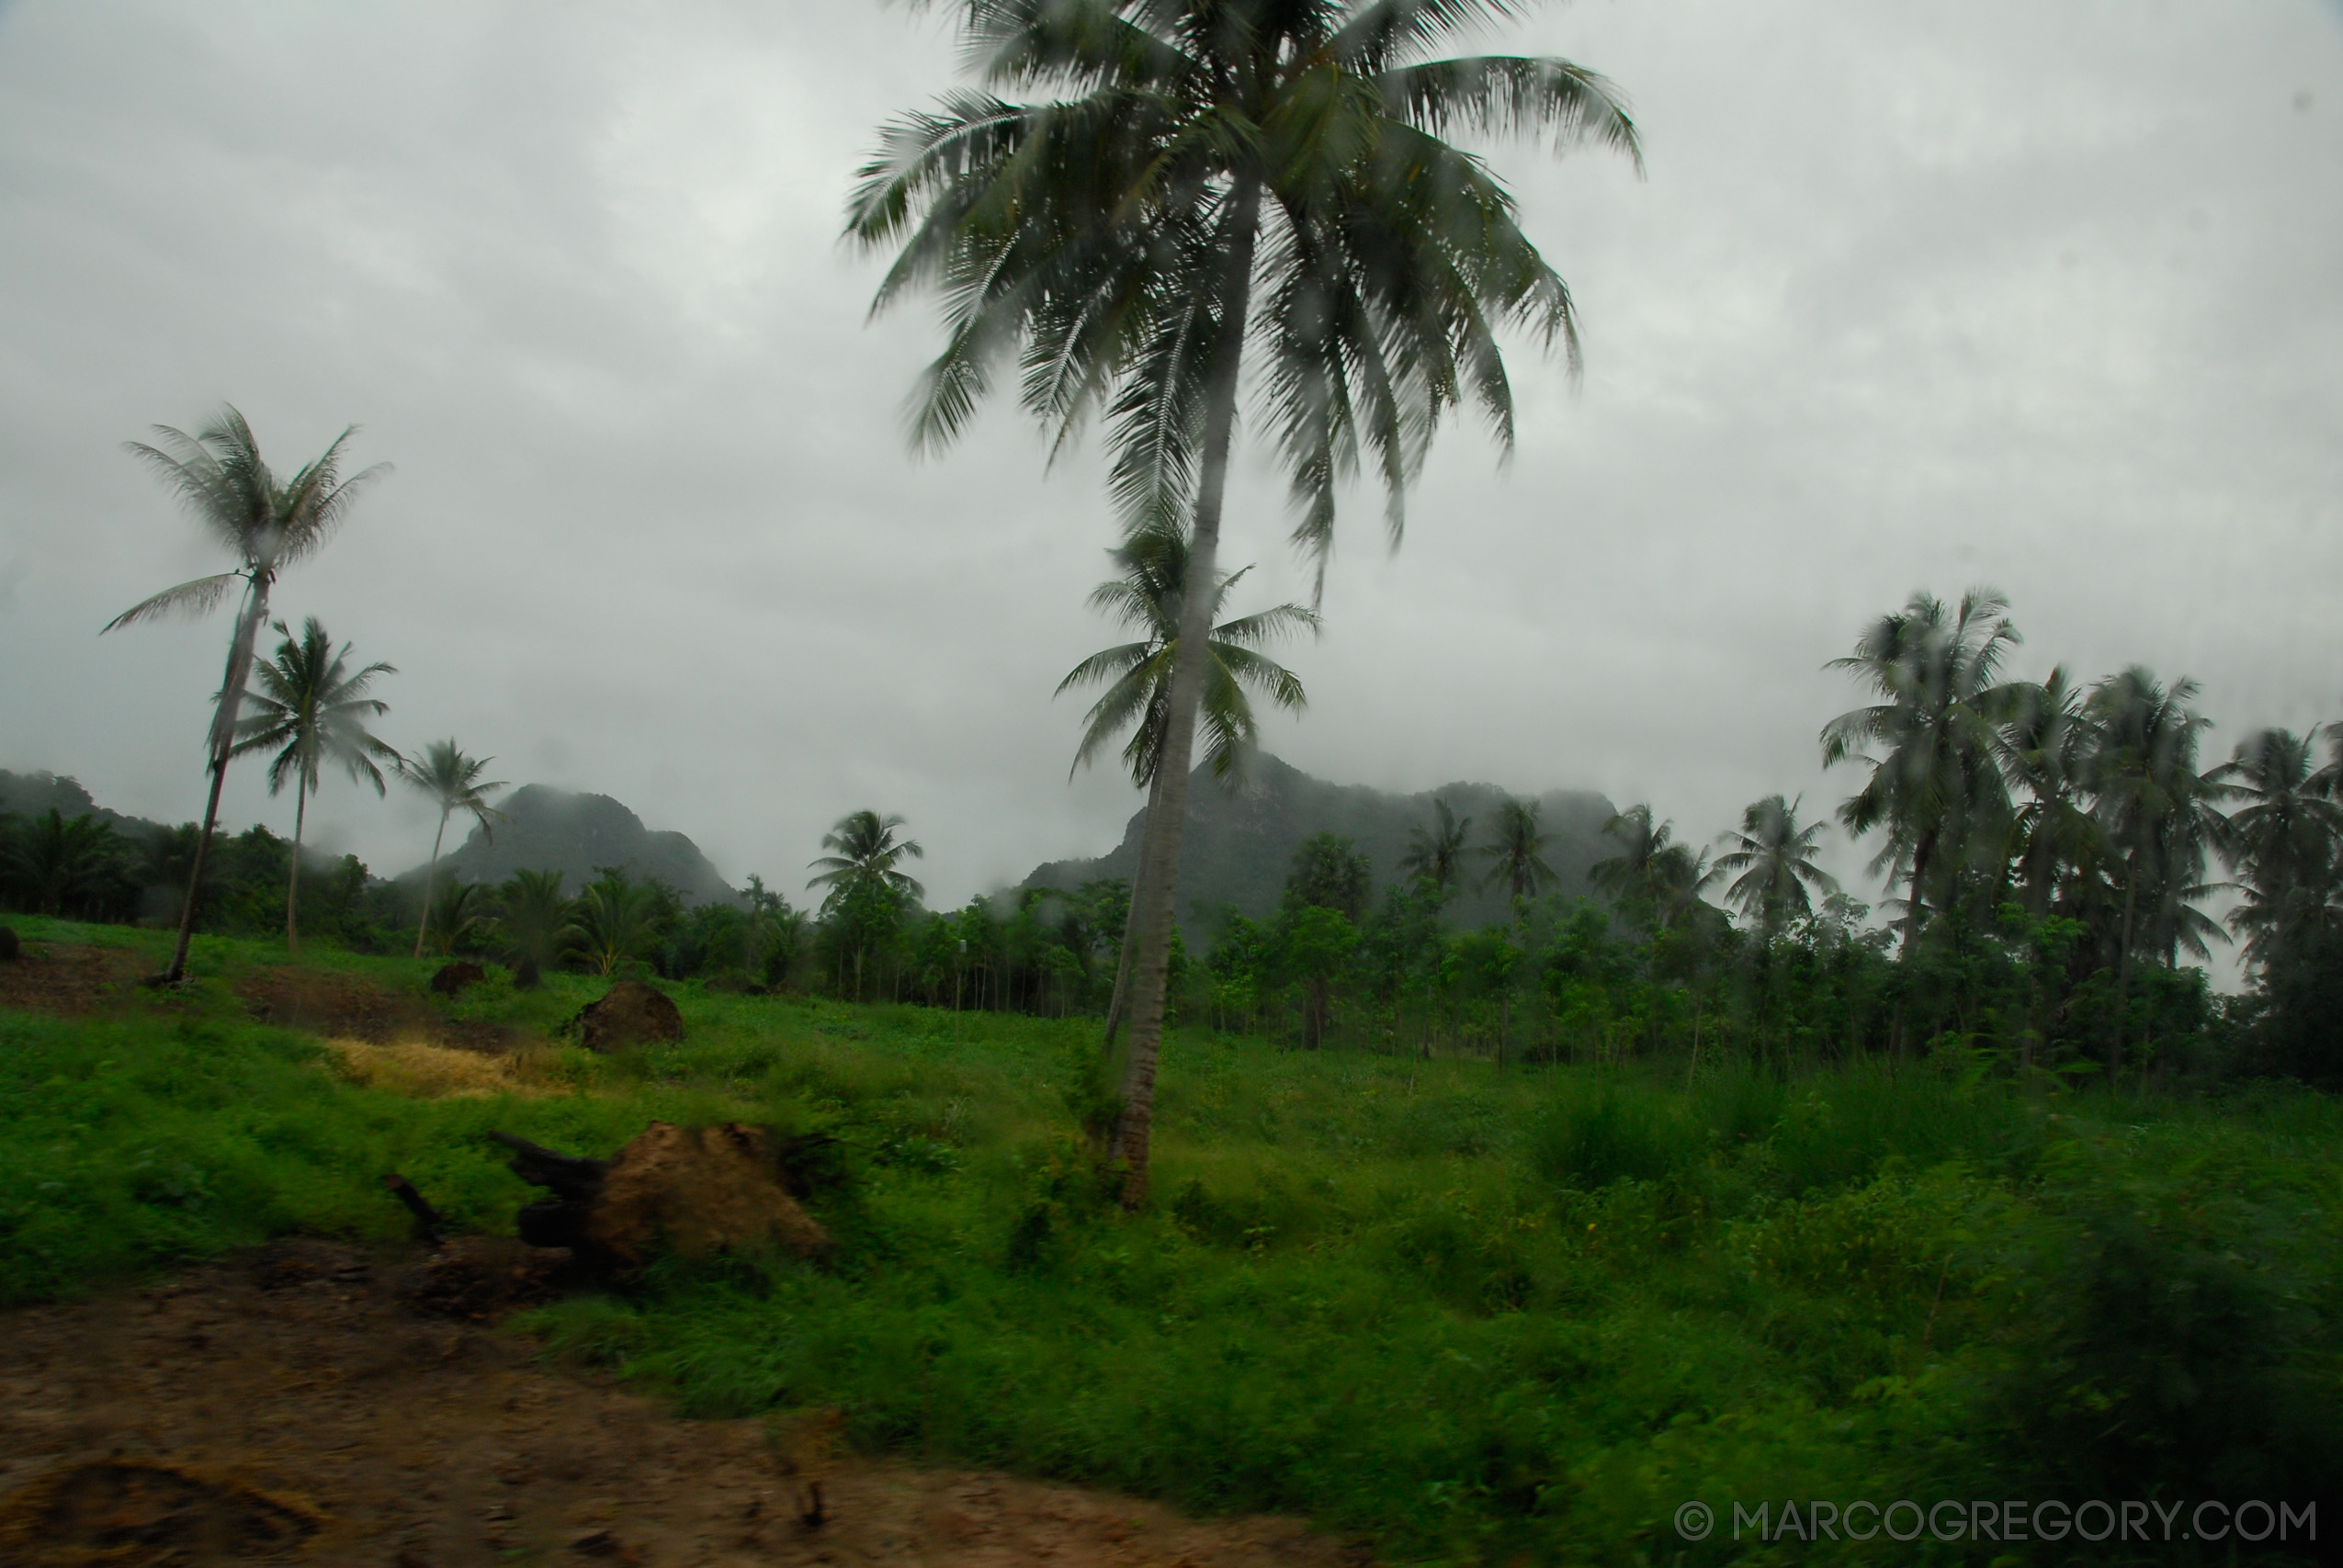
[(1472, 1316)]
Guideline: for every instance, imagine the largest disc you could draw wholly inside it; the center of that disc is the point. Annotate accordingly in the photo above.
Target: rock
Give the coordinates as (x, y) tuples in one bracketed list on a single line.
[(9, 946), (697, 1190), (631, 1014), (525, 976), (452, 978)]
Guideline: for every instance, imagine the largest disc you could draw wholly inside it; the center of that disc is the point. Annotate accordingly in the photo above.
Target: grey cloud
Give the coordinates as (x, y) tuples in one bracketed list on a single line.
[(2038, 296)]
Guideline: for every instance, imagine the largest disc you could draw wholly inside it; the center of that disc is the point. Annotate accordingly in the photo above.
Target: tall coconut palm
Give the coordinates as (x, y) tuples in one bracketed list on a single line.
[(2047, 745), (867, 853), (2284, 839), (1147, 596), (1652, 872), (867, 886), (1181, 161), (1936, 785), (1436, 853), (266, 526), (453, 783), (2161, 815), (1775, 857), (310, 707), (1516, 851)]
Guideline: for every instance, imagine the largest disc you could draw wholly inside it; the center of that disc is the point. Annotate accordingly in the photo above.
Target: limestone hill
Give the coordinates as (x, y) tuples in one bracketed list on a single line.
[(1240, 843)]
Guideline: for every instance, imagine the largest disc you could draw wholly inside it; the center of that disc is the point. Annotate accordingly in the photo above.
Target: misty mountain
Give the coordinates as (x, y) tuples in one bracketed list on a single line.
[(38, 794), (1240, 843), (552, 829)]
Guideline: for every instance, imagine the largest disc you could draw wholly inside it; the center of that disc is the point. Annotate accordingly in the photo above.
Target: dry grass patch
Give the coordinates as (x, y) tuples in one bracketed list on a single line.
[(422, 1071)]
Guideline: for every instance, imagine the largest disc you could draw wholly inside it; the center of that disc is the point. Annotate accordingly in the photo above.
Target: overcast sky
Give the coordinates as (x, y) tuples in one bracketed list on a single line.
[(2044, 296)]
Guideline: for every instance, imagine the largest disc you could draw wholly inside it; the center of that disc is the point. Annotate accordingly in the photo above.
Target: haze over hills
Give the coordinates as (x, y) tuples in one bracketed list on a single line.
[(38, 794), (1238, 846), (552, 829), (1240, 843)]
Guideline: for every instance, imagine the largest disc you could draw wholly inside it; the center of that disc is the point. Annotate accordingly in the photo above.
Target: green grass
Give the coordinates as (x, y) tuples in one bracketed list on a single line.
[(1472, 1316)]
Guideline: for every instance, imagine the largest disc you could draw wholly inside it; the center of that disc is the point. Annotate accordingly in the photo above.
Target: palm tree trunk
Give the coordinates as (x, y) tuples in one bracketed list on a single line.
[(1158, 890), (293, 881), (430, 871), (223, 741), (2122, 978), (1117, 1003)]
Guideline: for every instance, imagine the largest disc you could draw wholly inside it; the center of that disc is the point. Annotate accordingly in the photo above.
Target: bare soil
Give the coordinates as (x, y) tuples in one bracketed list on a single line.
[(71, 980), (306, 1405), (321, 1002)]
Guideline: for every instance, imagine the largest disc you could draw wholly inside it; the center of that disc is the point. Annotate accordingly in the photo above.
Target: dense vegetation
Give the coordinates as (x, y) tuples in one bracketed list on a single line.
[(2053, 845), (1472, 1315)]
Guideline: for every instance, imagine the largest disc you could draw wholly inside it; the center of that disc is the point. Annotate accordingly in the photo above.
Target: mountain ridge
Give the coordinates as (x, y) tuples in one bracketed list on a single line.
[(1239, 842)]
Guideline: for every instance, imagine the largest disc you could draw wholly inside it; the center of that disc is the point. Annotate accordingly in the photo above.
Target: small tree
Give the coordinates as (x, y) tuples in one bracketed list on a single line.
[(267, 527), (311, 708), (452, 781)]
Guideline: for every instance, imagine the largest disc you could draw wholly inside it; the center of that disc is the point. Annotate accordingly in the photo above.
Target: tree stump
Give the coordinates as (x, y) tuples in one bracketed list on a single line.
[(9, 946), (690, 1190)]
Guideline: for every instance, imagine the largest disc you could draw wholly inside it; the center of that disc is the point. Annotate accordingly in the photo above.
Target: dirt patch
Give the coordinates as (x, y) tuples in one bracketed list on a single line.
[(299, 1381), (453, 979), (137, 1512), (699, 1190), (320, 1001), (74, 980), (630, 1013)]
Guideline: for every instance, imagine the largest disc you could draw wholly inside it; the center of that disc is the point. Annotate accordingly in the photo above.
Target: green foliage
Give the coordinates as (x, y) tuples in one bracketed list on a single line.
[(1472, 1316)]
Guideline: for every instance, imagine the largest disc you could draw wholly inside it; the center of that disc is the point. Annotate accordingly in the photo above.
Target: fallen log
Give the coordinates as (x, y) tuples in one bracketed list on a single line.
[(692, 1191)]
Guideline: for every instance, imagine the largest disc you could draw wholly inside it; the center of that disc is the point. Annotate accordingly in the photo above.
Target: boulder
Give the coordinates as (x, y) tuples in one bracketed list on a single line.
[(452, 978), (632, 1013)]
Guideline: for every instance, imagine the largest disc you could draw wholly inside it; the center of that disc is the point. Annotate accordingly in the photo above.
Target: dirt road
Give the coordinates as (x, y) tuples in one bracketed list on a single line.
[(296, 1407)]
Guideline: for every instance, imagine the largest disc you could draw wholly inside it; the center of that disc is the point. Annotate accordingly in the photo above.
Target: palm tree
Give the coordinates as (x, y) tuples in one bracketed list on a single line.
[(311, 708), (2047, 747), (1651, 869), (1516, 851), (1936, 782), (266, 526), (534, 915), (452, 781), (59, 863), (867, 890), (1147, 596), (1437, 853), (2159, 816), (2284, 839), (866, 854), (2159, 813), (615, 919), (458, 912), (1112, 239), (1775, 859)]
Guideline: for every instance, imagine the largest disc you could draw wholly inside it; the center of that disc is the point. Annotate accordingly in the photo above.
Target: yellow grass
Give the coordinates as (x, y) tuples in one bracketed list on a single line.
[(435, 1072)]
